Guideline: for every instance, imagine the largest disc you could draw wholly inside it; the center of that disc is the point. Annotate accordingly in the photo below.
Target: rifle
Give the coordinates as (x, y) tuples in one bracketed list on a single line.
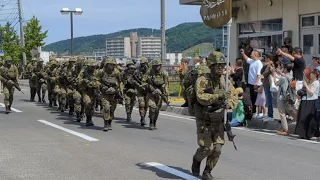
[(138, 82), (161, 95), (15, 83), (119, 94)]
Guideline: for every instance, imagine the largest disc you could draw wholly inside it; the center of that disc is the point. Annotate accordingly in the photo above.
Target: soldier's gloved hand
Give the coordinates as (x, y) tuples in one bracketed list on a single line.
[(10, 82)]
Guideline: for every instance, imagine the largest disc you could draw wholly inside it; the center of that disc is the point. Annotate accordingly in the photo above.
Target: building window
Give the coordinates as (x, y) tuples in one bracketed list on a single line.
[(308, 21), (260, 26), (308, 44)]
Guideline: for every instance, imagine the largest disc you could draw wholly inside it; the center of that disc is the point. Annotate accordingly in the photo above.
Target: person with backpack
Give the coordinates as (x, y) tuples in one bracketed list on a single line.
[(284, 84)]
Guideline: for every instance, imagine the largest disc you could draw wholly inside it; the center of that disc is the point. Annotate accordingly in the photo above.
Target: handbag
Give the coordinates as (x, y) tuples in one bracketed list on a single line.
[(273, 87)]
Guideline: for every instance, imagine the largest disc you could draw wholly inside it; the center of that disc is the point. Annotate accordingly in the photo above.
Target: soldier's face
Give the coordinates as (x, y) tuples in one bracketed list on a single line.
[(110, 67), (157, 68), (217, 69), (143, 67)]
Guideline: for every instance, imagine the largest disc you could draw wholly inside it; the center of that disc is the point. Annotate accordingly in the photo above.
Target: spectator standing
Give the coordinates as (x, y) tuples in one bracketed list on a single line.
[(261, 103), (266, 71), (283, 84), (298, 67), (306, 125), (182, 71), (255, 66), (237, 73)]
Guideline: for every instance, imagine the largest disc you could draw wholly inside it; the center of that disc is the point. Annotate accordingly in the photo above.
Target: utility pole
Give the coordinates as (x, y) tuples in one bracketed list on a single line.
[(24, 58), (163, 31), (71, 44)]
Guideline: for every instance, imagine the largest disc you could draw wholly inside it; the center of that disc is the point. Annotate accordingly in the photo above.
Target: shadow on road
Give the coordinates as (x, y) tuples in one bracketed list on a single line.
[(163, 174), (130, 125)]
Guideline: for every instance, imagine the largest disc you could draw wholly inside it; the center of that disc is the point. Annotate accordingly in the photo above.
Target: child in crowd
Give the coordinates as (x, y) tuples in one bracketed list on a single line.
[(238, 112), (261, 103)]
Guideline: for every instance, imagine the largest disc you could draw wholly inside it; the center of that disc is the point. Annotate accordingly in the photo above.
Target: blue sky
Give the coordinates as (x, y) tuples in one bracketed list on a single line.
[(105, 16)]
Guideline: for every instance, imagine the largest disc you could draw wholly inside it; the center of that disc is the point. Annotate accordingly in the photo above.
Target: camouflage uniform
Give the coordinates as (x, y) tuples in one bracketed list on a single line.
[(60, 87), (41, 83), (89, 85), (109, 82), (157, 84), (32, 78), (77, 96), (51, 82), (129, 90), (70, 86), (209, 112), (142, 75), (8, 76)]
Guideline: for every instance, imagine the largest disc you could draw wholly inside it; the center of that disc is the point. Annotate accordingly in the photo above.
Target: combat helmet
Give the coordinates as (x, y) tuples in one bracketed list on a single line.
[(8, 58), (216, 58), (72, 59), (111, 60), (157, 62), (40, 60), (92, 63), (143, 60), (130, 64)]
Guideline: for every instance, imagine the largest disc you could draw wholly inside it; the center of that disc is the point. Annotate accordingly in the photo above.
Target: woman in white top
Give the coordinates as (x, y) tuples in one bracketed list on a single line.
[(307, 126)]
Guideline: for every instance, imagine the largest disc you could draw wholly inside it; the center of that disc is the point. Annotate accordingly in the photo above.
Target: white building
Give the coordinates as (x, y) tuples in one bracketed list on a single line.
[(267, 21), (174, 58), (149, 47), (118, 47)]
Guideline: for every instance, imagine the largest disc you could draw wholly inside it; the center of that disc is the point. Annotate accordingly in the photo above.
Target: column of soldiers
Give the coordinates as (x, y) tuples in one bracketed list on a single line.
[(81, 86)]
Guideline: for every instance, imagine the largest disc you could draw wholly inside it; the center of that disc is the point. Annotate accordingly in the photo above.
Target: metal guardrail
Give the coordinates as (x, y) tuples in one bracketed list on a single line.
[(173, 75)]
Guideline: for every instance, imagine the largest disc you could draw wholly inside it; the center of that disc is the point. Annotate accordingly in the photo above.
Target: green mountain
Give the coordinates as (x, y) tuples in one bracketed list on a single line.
[(179, 38)]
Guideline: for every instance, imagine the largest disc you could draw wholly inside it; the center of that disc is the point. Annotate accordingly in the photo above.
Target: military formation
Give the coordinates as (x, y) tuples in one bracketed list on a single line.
[(81, 86)]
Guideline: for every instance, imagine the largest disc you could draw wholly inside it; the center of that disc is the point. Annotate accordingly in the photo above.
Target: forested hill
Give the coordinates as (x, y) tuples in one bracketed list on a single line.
[(179, 38)]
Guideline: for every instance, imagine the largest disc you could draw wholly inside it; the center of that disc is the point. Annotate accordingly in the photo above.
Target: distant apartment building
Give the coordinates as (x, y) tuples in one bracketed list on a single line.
[(149, 47), (118, 47)]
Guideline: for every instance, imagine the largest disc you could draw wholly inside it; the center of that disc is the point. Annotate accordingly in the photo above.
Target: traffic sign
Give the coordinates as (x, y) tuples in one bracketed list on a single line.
[(1, 52)]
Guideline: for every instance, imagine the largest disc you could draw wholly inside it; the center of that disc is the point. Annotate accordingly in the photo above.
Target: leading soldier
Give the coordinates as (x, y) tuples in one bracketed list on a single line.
[(209, 113), (129, 90), (41, 83), (9, 77)]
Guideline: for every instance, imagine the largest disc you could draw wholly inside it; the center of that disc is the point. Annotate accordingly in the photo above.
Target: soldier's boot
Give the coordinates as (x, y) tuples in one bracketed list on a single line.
[(129, 117), (9, 107), (195, 168), (143, 121), (7, 110), (96, 108), (78, 117), (206, 175), (185, 104), (105, 128), (110, 125), (39, 98), (43, 99), (89, 121), (71, 110), (62, 108), (59, 107), (155, 124), (50, 103), (151, 125), (55, 103)]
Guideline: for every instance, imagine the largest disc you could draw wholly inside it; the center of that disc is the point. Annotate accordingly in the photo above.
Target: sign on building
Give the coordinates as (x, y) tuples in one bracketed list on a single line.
[(216, 13), (1, 52)]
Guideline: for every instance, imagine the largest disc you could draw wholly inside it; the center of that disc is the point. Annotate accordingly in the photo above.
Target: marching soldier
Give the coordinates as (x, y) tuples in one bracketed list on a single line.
[(110, 87), (209, 113), (41, 84), (32, 78), (129, 88), (158, 91), (142, 75), (9, 77), (51, 82), (70, 78), (77, 95)]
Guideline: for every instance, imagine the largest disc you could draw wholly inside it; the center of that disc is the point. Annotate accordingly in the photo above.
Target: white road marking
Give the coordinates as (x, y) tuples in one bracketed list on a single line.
[(13, 109), (83, 136), (171, 171)]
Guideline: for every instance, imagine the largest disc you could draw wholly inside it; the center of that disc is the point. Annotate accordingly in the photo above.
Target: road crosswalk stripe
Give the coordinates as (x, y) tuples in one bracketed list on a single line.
[(13, 109)]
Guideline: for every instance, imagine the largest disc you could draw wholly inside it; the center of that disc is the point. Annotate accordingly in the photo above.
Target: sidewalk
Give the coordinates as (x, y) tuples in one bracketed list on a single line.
[(175, 107)]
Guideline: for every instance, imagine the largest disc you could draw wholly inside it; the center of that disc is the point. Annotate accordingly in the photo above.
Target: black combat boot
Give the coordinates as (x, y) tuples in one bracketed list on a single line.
[(143, 121), (128, 117), (89, 121), (62, 108), (78, 117), (151, 125), (7, 110), (43, 99), (110, 125), (55, 103), (39, 98), (106, 124), (71, 110), (206, 175), (195, 168), (50, 103), (155, 124), (185, 104)]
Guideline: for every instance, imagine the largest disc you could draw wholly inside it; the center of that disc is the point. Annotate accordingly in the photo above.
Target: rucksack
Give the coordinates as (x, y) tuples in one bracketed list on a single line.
[(248, 113), (290, 95)]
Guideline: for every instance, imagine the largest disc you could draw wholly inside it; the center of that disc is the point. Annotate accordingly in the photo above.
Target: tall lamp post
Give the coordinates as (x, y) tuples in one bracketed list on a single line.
[(66, 11)]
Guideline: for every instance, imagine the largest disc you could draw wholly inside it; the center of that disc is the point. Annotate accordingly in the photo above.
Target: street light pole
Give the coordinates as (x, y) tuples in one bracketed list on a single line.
[(163, 31), (24, 58), (71, 20)]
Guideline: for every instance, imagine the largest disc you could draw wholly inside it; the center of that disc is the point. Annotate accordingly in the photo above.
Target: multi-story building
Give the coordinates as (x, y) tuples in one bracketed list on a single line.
[(149, 47), (118, 47), (134, 44)]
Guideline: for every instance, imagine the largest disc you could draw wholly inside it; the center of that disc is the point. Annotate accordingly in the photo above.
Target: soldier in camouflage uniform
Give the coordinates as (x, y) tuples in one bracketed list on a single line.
[(89, 84), (60, 89), (70, 86), (8, 76), (209, 112), (129, 90), (51, 82), (41, 83), (32, 78), (109, 78), (77, 96), (157, 84), (142, 76)]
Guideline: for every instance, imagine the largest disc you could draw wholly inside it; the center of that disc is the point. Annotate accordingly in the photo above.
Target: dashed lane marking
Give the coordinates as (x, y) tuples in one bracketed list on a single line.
[(83, 136), (171, 170), (13, 109)]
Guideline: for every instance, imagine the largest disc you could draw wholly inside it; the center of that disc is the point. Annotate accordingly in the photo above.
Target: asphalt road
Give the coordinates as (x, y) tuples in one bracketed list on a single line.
[(57, 148)]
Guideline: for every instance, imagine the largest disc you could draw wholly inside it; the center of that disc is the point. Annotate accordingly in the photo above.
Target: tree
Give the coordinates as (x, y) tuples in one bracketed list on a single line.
[(11, 43), (33, 36)]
